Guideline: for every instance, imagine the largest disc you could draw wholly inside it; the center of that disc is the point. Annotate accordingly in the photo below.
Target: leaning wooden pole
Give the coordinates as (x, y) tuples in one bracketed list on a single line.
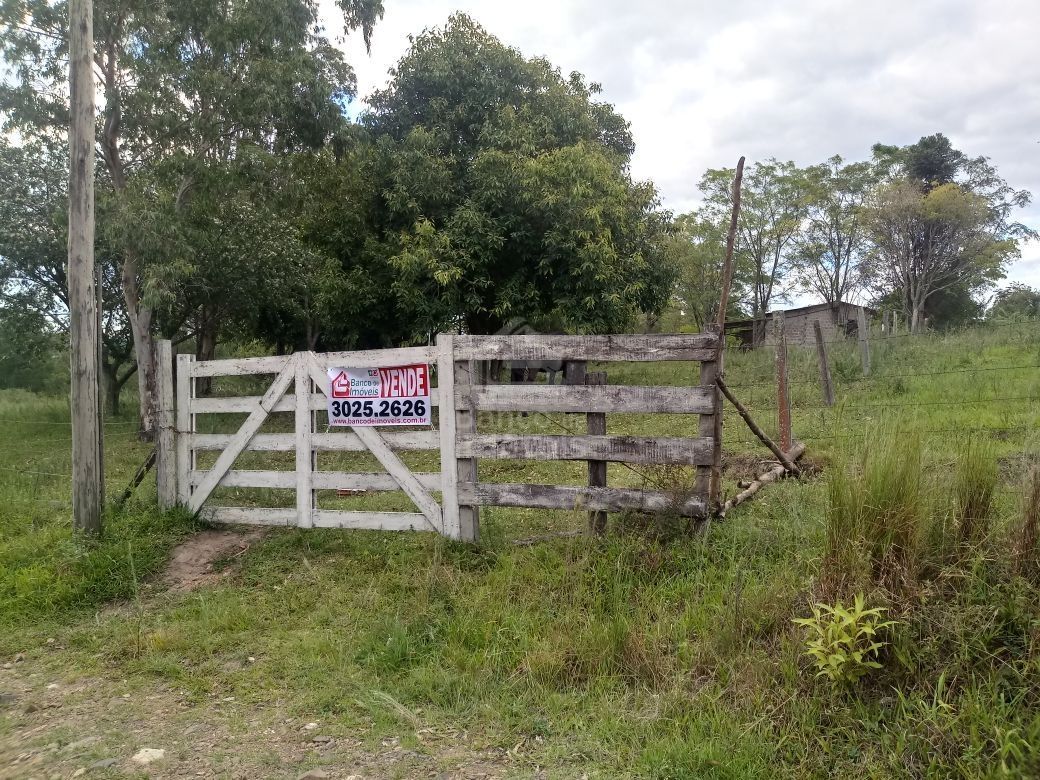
[(763, 479), (755, 428), (87, 476), (731, 240)]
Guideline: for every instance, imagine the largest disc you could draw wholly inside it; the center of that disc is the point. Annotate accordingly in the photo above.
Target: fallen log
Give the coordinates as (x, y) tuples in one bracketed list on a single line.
[(772, 475), (788, 463)]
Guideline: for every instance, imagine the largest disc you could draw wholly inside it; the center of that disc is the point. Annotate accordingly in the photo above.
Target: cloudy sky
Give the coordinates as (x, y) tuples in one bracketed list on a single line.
[(705, 82)]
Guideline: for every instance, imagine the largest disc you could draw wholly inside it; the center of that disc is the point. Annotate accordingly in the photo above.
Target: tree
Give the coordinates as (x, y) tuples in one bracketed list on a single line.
[(1015, 302), (181, 80), (772, 210), (697, 248), (831, 249), (33, 256), (942, 226), (926, 243), (506, 192)]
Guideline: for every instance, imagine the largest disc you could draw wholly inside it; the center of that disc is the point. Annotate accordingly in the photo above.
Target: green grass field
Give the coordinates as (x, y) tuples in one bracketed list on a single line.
[(637, 655)]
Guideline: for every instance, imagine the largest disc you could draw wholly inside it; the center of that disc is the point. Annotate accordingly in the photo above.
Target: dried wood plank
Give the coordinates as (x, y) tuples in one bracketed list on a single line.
[(248, 515), (587, 398), (578, 497), (619, 449), (342, 441), (763, 479), (755, 429), (241, 366), (185, 428), (241, 439), (446, 423), (375, 358), (626, 348), (373, 521), (320, 480)]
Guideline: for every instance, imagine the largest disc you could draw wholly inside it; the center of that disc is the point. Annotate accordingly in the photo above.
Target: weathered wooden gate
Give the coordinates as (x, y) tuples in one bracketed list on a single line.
[(460, 400)]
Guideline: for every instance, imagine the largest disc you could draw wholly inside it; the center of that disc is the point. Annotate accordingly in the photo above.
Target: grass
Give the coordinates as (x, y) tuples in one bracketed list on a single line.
[(623, 657)]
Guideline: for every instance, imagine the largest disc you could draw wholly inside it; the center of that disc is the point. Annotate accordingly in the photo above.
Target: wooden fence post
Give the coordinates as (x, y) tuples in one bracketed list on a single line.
[(597, 426), (185, 428), (304, 442), (864, 340), (709, 478), (165, 456), (447, 417), (825, 369), (783, 395), (462, 519)]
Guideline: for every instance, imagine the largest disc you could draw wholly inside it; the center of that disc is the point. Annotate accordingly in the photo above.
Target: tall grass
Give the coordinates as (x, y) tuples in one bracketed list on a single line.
[(975, 489), (876, 512), (1027, 535)]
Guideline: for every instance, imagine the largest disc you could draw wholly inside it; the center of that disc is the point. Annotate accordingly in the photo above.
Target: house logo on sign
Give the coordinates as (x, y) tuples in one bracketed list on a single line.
[(341, 385)]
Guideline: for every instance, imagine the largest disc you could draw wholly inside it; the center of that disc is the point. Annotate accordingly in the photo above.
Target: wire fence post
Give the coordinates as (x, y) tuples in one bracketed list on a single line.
[(783, 391), (864, 340), (825, 369)]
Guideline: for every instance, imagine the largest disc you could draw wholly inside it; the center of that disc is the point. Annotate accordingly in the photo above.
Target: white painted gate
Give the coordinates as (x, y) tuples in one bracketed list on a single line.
[(300, 385)]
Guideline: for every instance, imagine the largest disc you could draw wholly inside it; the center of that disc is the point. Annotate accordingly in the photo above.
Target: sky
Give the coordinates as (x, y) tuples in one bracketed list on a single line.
[(703, 83)]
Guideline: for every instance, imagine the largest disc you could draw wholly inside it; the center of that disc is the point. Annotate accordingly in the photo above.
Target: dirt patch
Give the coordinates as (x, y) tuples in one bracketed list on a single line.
[(197, 562), (1015, 468)]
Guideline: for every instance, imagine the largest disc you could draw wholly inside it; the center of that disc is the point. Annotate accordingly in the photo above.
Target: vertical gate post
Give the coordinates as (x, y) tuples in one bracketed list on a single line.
[(304, 443), (709, 478), (185, 428), (446, 424), (597, 426), (783, 391), (465, 424), (165, 458)]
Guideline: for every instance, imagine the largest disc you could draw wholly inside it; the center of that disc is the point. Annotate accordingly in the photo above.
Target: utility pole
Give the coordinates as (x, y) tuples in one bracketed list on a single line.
[(87, 478)]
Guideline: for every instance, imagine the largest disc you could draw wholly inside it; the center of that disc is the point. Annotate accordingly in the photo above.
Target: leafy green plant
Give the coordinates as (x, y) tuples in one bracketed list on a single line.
[(843, 642)]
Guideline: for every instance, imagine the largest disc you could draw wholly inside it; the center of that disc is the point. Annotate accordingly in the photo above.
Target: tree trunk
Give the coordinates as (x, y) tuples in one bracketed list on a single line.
[(205, 348), (144, 347)]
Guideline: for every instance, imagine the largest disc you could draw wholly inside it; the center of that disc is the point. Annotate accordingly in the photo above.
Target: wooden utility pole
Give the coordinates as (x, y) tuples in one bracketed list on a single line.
[(87, 477), (825, 368), (783, 391)]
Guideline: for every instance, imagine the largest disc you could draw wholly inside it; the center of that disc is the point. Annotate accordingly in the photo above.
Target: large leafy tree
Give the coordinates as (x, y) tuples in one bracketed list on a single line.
[(942, 227), (182, 81), (1015, 302), (506, 192)]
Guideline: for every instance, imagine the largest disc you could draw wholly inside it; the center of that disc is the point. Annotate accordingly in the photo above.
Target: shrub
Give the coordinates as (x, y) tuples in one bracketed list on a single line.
[(843, 643)]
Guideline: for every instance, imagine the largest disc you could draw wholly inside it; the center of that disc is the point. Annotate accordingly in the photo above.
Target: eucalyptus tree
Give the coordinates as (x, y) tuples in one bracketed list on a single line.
[(185, 84)]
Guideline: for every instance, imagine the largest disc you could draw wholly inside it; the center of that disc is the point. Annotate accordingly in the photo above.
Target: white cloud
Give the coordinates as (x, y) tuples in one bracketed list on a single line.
[(704, 82)]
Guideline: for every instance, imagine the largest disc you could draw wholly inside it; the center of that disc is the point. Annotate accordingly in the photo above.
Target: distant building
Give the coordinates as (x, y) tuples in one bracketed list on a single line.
[(836, 321)]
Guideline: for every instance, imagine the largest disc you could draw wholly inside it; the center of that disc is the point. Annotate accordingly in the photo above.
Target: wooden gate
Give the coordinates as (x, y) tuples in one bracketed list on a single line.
[(461, 400), (300, 386)]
